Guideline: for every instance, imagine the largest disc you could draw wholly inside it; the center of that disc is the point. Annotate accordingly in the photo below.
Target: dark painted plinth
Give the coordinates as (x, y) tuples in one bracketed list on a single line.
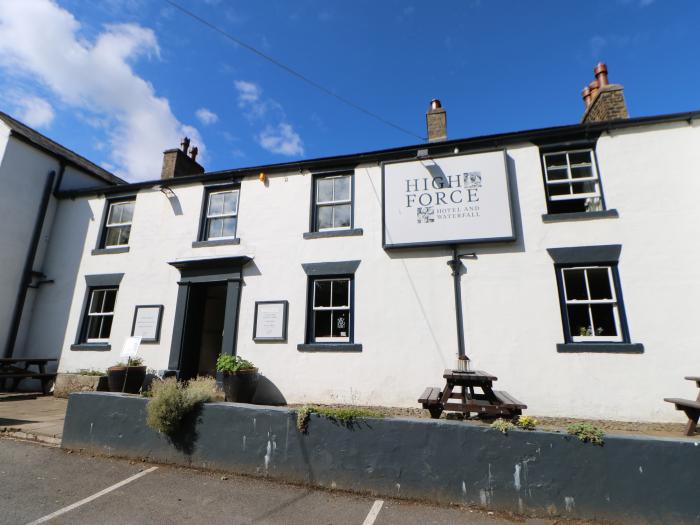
[(628, 480)]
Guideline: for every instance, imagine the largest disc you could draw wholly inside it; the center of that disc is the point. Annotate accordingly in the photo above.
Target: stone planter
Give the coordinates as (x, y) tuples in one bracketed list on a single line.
[(240, 386), (68, 383)]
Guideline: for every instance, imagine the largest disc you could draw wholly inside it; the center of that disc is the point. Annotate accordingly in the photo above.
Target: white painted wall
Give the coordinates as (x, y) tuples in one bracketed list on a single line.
[(404, 315)]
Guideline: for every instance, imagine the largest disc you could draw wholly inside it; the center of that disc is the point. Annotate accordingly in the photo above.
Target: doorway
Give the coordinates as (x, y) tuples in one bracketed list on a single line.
[(204, 327)]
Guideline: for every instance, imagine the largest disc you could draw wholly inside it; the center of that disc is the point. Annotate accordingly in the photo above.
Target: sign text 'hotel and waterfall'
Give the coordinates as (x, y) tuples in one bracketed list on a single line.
[(447, 200)]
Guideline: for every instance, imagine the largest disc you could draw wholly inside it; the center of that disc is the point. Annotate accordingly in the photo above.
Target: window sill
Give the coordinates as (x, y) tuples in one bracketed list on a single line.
[(92, 346), (351, 232), (216, 242), (105, 251), (579, 216), (606, 348), (330, 347)]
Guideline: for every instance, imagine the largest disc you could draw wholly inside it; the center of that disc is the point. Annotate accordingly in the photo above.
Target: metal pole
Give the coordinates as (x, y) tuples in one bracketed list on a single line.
[(456, 264)]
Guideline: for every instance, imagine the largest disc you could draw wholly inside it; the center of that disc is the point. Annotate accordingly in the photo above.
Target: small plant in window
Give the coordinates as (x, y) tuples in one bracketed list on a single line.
[(502, 425), (586, 433)]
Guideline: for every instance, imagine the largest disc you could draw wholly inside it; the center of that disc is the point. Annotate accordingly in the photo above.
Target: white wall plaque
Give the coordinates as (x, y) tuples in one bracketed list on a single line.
[(270, 322), (147, 319), (447, 200)]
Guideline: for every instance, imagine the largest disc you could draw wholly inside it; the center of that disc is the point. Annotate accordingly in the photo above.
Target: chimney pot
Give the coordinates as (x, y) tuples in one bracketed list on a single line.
[(601, 74), (185, 144), (586, 95), (435, 104), (193, 153), (436, 120)]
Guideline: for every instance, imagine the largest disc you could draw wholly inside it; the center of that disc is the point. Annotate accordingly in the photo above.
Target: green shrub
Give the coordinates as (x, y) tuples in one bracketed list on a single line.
[(342, 414), (586, 433), (89, 372), (526, 422), (502, 425), (232, 363), (171, 402), (135, 361)]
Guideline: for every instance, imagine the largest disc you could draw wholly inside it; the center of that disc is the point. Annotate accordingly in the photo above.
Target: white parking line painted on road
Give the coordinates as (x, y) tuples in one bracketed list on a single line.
[(93, 497), (373, 512)]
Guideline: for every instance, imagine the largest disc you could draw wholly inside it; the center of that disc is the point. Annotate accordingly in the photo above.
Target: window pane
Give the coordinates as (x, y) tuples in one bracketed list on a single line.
[(324, 190), (96, 302), (585, 187), (580, 157), (341, 323), (558, 159), (557, 174), (93, 328), (113, 214), (581, 172), (322, 293), (341, 189), (216, 227), (599, 283), (341, 216), (341, 293), (558, 189), (575, 284), (230, 202), (229, 227), (603, 319), (324, 218), (579, 320), (112, 238), (322, 323), (216, 204), (124, 233), (110, 298), (127, 211), (106, 327)]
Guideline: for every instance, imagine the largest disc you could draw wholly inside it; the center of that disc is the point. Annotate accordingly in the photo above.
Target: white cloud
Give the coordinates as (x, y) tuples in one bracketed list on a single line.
[(40, 39), (278, 135), (35, 112), (281, 139), (206, 116)]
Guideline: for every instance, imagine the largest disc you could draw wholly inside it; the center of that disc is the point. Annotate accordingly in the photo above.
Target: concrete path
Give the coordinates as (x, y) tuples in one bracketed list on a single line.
[(32, 416), (48, 485)]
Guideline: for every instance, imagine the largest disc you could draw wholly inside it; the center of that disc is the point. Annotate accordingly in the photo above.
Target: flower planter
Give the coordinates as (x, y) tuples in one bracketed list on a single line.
[(240, 386), (126, 379)]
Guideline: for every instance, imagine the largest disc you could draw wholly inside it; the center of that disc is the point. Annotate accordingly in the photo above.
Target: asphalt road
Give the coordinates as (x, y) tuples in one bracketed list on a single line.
[(37, 482)]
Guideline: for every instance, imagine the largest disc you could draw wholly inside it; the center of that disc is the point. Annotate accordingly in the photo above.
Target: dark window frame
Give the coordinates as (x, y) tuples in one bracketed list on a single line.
[(313, 214), (309, 337), (100, 247), (95, 282), (202, 238)]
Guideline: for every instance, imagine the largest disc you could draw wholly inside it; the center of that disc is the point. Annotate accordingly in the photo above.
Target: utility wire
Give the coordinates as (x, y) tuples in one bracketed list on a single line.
[(291, 71)]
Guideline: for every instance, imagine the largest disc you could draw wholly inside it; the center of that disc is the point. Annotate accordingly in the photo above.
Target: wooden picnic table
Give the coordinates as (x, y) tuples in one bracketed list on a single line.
[(690, 407), (460, 386), (17, 368)]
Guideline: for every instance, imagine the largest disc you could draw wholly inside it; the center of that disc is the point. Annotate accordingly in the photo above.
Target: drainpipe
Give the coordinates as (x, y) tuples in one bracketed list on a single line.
[(29, 261)]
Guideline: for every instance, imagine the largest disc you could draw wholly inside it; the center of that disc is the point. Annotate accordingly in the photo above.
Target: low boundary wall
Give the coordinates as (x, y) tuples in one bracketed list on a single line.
[(636, 480)]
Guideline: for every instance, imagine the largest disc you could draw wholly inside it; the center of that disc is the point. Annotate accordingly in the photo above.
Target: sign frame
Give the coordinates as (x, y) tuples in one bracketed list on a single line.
[(451, 242), (285, 318), (156, 339)]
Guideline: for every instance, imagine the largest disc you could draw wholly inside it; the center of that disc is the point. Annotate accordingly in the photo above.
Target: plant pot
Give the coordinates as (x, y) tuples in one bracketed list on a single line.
[(240, 386), (126, 379)]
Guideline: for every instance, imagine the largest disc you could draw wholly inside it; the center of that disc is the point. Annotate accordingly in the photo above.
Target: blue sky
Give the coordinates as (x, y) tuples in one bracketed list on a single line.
[(120, 80)]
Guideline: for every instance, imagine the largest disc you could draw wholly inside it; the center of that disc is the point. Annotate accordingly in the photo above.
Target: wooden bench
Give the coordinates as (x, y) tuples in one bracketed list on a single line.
[(690, 407), (15, 369), (430, 398)]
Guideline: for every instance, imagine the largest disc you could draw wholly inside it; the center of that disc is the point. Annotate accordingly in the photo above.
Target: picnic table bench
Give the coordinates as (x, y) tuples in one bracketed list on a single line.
[(15, 369), (459, 396), (690, 407)]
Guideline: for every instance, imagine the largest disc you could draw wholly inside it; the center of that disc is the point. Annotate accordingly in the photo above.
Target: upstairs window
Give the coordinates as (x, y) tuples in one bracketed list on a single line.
[(99, 315), (331, 310), (117, 228), (332, 199), (571, 182), (221, 215)]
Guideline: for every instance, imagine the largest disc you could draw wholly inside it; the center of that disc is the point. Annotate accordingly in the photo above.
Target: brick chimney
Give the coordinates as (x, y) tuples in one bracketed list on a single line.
[(436, 119), (603, 101), (176, 163)]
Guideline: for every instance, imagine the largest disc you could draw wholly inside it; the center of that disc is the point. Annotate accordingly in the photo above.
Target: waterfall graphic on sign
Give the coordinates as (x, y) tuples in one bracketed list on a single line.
[(425, 215)]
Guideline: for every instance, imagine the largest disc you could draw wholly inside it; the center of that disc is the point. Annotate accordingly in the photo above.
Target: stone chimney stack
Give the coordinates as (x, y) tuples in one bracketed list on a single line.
[(436, 119), (603, 101), (176, 163)]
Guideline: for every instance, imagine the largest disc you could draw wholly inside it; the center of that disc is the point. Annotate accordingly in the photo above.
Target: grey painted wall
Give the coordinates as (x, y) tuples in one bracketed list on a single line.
[(629, 479)]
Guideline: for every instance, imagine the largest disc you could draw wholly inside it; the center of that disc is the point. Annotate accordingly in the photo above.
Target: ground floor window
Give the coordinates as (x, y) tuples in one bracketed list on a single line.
[(591, 303), (99, 315), (331, 310)]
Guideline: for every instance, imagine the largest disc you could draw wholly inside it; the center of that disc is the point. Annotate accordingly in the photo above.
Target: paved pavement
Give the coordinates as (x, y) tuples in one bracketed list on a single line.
[(33, 414), (40, 481)]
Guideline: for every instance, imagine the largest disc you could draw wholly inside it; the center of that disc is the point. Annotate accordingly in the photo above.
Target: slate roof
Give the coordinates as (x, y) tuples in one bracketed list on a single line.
[(35, 138)]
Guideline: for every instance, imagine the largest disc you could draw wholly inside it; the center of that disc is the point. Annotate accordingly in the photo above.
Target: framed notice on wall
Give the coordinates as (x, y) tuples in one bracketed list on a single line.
[(147, 319), (446, 200), (270, 323)]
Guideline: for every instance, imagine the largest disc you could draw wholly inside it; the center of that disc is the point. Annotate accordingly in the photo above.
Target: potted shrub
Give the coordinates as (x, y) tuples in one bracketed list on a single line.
[(240, 378), (126, 377)]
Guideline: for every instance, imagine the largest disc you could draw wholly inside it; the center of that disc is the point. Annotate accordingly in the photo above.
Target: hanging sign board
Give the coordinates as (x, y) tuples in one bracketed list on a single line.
[(447, 200)]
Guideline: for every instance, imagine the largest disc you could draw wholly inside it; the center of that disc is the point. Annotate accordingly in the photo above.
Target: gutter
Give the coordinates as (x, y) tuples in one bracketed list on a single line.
[(26, 280)]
